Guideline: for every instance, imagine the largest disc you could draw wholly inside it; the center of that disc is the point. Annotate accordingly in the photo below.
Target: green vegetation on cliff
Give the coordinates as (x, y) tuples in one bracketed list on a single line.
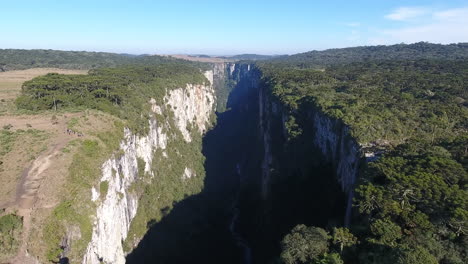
[(413, 199), (410, 204), (391, 100), (125, 93)]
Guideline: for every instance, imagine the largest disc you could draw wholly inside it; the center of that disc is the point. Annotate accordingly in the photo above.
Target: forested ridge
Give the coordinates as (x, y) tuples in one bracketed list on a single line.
[(410, 204), (420, 50), (17, 59), (122, 91), (390, 100)]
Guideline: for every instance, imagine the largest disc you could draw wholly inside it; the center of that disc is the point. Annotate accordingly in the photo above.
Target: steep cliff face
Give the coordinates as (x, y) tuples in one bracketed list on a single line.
[(244, 73), (191, 107), (329, 136), (190, 111), (266, 109), (117, 207), (340, 149), (229, 76)]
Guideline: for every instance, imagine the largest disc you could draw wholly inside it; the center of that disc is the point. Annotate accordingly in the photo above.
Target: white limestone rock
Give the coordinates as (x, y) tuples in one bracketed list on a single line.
[(188, 173), (191, 105)]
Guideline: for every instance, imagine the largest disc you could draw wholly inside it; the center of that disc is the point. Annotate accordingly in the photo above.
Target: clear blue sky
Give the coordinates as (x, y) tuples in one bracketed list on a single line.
[(227, 27)]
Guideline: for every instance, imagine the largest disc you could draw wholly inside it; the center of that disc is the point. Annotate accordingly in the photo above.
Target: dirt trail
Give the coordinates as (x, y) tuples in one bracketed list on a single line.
[(32, 176), (31, 194), (27, 198)]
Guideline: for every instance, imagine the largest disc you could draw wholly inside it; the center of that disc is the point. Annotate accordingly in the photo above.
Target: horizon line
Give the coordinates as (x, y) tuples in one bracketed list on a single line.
[(231, 54)]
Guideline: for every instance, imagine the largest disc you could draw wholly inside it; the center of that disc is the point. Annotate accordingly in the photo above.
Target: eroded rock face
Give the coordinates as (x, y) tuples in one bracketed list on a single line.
[(192, 107), (331, 137), (336, 144), (265, 132), (117, 207)]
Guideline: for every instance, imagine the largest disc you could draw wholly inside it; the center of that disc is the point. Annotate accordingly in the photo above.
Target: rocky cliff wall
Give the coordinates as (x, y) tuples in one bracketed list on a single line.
[(330, 136), (191, 106), (333, 139)]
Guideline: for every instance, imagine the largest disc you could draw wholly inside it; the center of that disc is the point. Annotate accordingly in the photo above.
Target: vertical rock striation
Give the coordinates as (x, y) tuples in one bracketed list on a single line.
[(192, 107), (118, 206), (333, 139), (330, 136)]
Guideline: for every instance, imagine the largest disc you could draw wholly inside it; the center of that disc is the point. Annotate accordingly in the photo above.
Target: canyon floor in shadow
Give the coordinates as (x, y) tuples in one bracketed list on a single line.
[(199, 228), (196, 230)]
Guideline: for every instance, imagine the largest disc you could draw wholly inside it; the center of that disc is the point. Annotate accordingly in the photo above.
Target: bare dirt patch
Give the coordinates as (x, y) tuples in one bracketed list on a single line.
[(32, 187), (32, 136), (18, 149)]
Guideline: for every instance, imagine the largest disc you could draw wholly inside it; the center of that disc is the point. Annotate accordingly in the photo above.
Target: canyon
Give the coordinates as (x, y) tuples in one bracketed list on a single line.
[(296, 159), (248, 140)]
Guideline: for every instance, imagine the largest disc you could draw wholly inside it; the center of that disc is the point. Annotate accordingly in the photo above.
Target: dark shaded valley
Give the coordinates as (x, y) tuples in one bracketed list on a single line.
[(230, 221)]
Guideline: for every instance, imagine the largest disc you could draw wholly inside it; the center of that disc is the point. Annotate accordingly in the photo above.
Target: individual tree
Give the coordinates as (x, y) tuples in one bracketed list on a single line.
[(343, 238), (332, 258), (304, 244), (386, 232)]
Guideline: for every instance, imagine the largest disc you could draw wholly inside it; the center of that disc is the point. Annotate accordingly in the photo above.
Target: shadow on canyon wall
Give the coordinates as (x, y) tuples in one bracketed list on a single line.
[(199, 228), (302, 189)]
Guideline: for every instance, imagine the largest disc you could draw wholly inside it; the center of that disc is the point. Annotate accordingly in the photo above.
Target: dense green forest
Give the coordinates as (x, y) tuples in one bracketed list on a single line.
[(421, 50), (391, 100), (410, 204), (15, 59), (123, 91)]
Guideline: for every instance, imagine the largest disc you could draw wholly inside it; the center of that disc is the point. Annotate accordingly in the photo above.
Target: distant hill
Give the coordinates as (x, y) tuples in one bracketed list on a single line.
[(17, 59), (240, 57), (200, 56), (249, 57), (420, 50)]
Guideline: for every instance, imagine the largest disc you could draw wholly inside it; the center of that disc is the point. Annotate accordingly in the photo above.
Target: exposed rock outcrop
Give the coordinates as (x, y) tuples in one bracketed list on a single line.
[(192, 106), (330, 136), (333, 139), (118, 206)]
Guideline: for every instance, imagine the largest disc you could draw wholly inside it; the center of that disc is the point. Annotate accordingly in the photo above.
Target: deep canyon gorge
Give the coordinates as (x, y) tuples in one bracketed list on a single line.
[(245, 208), (326, 157)]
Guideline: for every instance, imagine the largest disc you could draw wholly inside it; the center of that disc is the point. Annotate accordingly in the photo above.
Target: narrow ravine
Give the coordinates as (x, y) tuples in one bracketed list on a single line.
[(233, 220), (204, 228), (240, 241)]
